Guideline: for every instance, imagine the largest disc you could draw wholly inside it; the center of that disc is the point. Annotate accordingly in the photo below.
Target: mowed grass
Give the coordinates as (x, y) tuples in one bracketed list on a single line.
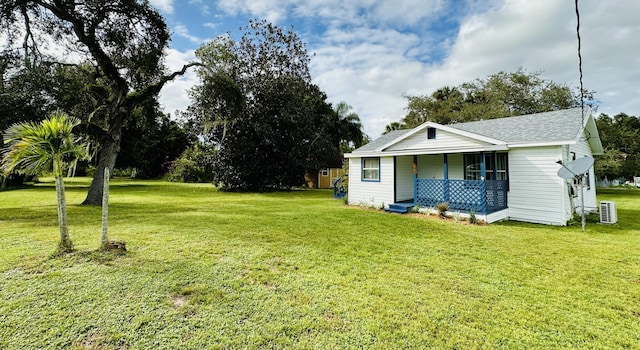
[(207, 269)]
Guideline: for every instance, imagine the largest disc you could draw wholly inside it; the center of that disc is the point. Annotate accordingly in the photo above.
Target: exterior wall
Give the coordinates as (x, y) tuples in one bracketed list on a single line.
[(455, 165), (582, 149), (444, 141), (374, 193), (430, 166), (536, 193), (404, 178)]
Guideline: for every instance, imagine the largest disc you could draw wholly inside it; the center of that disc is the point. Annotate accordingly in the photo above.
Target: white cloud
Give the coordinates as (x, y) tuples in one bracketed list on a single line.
[(182, 31), (165, 6), (204, 8), (371, 53), (538, 36), (173, 96), (541, 36)]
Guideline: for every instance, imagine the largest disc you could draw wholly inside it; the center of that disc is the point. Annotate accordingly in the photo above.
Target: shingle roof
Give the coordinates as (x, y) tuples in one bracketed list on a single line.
[(382, 140), (563, 125)]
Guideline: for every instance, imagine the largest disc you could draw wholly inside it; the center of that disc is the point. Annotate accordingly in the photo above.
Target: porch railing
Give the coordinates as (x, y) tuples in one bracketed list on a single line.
[(481, 196)]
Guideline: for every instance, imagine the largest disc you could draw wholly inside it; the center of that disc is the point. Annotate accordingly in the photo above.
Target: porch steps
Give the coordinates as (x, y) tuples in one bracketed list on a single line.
[(400, 208)]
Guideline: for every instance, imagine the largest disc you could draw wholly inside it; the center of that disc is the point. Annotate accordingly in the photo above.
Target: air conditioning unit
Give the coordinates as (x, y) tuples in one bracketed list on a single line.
[(608, 212)]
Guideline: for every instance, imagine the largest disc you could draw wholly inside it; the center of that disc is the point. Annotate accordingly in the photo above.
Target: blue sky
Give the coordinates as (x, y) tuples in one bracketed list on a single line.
[(371, 53)]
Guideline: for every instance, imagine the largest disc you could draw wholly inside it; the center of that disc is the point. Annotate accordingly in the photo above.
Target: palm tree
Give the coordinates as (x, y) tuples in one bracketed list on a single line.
[(350, 127), (34, 147)]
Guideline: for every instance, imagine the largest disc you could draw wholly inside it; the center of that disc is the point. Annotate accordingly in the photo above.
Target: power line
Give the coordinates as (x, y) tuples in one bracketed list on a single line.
[(580, 62)]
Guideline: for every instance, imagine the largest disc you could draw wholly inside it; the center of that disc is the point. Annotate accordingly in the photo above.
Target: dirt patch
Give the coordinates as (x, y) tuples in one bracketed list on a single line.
[(98, 341)]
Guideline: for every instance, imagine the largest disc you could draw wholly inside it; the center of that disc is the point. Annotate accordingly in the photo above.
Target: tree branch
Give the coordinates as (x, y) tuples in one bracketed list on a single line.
[(154, 89)]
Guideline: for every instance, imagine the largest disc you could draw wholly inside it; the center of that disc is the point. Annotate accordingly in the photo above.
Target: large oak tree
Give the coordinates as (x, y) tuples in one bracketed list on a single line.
[(258, 108), (122, 40)]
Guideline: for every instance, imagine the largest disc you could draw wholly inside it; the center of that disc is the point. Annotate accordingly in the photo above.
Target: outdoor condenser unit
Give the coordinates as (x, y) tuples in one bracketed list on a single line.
[(608, 212)]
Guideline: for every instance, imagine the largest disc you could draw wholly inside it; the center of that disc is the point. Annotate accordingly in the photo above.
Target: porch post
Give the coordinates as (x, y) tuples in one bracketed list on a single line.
[(445, 185), (446, 167), (483, 167), (415, 180), (483, 188), (495, 165)]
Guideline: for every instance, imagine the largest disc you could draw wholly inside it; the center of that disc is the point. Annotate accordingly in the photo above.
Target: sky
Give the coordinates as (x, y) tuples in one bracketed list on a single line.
[(373, 53)]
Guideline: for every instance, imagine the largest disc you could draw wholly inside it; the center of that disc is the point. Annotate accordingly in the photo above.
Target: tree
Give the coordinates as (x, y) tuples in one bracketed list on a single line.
[(620, 136), (33, 147), (124, 42), (497, 96), (150, 142), (350, 128), (257, 107)]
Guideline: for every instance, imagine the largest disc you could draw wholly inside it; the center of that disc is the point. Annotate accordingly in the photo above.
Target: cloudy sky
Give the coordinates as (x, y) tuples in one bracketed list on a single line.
[(371, 53)]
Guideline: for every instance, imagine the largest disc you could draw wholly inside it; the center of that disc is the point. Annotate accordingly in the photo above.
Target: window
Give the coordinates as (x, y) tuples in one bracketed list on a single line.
[(325, 172), (501, 169), (370, 169), (431, 133), (472, 167), (499, 163)]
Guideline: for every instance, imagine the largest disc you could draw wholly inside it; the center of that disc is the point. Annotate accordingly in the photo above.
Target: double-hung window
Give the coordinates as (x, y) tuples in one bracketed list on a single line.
[(370, 169), (472, 167)]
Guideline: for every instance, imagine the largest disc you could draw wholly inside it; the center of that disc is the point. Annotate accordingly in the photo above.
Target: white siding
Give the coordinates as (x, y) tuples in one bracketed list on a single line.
[(404, 178), (582, 149), (536, 193), (455, 166), (444, 140), (430, 166), (371, 193)]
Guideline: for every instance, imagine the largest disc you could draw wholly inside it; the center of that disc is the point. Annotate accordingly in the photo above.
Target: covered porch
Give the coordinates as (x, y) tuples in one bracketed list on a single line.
[(478, 196), (469, 182)]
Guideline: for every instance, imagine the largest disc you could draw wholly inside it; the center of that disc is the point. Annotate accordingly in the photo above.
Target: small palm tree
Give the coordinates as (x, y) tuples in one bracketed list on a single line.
[(34, 147)]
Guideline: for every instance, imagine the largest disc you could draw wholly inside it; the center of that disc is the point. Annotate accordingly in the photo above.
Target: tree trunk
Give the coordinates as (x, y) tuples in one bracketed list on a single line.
[(65, 241), (105, 210), (109, 150)]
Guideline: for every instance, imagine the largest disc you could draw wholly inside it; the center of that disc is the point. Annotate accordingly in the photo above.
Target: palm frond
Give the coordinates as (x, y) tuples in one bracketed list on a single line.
[(31, 147)]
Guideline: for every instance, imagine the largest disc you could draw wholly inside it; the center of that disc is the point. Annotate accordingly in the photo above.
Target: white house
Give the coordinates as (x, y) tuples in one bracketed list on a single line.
[(501, 169)]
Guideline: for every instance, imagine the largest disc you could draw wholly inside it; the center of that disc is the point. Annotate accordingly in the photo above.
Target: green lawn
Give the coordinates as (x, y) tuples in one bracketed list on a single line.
[(207, 269)]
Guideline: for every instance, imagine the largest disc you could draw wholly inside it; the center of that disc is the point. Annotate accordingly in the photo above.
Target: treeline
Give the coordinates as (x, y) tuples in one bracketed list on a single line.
[(620, 137), (509, 94), (256, 121)]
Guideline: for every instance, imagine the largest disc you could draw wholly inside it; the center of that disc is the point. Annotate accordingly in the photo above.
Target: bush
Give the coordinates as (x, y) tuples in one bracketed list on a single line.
[(472, 217), (194, 165), (442, 208)]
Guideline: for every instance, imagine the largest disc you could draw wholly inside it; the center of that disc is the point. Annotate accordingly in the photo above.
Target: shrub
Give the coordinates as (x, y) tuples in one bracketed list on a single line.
[(194, 165), (472, 217), (442, 208)]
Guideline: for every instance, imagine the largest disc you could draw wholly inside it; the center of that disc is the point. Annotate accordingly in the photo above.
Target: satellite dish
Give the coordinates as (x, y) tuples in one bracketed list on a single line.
[(576, 168)]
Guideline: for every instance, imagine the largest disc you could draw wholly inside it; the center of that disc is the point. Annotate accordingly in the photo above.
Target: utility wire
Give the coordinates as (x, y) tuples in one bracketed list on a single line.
[(580, 62)]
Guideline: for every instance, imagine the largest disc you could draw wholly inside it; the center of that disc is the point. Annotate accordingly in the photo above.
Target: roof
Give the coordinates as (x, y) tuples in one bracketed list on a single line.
[(382, 140), (547, 128), (562, 125)]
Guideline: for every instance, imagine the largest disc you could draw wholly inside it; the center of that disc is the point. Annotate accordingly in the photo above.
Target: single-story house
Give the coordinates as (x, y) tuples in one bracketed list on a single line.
[(500, 169)]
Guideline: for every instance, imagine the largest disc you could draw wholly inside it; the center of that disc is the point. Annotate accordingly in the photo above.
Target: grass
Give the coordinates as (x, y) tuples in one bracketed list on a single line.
[(207, 269)]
